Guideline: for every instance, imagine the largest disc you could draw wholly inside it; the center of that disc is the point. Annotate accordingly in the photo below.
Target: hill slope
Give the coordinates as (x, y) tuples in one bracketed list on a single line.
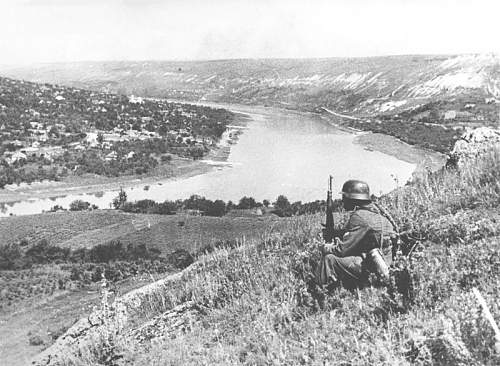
[(362, 85), (257, 304), (50, 132), (37, 304)]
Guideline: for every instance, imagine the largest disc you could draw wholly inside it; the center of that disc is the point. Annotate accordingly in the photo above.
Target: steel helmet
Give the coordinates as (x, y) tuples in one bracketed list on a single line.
[(356, 190)]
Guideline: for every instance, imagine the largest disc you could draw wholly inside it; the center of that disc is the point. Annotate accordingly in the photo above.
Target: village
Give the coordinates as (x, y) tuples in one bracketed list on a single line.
[(46, 128)]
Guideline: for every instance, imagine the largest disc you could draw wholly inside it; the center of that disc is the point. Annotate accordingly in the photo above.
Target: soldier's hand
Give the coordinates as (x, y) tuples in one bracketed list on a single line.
[(328, 248)]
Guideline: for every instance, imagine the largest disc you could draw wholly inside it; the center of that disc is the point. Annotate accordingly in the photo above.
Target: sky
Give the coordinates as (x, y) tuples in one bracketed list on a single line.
[(33, 31)]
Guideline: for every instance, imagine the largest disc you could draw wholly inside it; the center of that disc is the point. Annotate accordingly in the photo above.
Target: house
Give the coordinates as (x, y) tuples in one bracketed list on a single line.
[(17, 143), (114, 137), (31, 151), (135, 100), (91, 138), (111, 156), (18, 155), (450, 115), (36, 125), (193, 212)]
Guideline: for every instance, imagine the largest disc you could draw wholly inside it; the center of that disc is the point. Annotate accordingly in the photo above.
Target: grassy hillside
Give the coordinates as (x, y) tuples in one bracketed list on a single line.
[(57, 227), (85, 229), (39, 303), (256, 304)]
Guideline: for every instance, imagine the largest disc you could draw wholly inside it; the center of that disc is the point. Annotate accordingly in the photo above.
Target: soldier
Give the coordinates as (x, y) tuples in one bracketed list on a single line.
[(366, 243)]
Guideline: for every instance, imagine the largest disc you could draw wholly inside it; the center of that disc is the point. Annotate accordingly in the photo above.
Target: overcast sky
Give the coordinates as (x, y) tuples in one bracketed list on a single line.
[(74, 30)]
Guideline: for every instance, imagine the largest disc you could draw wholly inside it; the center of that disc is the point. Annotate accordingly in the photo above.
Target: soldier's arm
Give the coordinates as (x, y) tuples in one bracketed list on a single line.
[(352, 241)]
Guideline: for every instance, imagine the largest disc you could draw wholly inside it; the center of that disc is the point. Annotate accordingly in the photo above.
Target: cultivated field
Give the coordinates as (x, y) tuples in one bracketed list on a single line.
[(38, 304)]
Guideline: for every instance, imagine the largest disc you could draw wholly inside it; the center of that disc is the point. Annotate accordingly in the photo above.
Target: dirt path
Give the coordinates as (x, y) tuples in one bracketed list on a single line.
[(41, 320)]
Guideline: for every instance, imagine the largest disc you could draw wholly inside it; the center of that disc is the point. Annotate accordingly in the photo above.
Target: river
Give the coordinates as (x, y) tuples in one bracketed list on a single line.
[(278, 152)]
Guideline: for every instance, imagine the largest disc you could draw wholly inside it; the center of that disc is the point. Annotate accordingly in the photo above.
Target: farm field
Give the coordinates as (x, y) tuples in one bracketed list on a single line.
[(39, 310), (88, 228), (57, 227)]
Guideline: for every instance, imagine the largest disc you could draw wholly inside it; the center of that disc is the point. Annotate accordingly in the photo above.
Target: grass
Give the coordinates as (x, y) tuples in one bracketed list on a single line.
[(40, 307), (88, 228), (256, 304), (57, 227)]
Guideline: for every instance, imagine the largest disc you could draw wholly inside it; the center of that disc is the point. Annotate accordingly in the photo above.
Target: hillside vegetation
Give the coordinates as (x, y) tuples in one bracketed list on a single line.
[(257, 303), (50, 132), (51, 264)]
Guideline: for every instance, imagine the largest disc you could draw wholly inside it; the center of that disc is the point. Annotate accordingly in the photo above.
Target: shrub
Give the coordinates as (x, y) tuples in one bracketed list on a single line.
[(10, 256), (43, 252), (79, 205), (35, 339)]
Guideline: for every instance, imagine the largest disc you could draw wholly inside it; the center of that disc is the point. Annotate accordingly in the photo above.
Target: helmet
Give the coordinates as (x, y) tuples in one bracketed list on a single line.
[(356, 190)]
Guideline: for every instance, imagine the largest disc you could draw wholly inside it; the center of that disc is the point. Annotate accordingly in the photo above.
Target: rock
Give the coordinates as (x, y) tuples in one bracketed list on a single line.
[(442, 349), (172, 322), (472, 144)]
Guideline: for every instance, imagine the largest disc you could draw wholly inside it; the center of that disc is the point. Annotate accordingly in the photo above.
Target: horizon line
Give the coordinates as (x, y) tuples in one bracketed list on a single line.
[(492, 53)]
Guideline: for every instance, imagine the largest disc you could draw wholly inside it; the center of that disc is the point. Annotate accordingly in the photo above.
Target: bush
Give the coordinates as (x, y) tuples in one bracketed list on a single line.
[(79, 205), (10, 256), (43, 252), (107, 252), (283, 206), (247, 203), (180, 259), (35, 339)]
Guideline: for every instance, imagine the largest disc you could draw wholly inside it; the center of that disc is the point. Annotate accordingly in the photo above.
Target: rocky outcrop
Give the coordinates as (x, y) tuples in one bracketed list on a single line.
[(169, 324), (472, 144)]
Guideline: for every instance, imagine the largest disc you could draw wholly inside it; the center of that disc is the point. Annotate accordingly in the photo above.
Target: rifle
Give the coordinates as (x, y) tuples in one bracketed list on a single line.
[(329, 229)]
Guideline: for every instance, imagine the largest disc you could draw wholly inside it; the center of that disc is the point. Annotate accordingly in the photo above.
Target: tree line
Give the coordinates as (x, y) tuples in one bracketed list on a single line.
[(281, 206)]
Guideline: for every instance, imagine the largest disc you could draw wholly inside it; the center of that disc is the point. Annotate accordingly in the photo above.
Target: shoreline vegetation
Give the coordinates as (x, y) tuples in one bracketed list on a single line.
[(182, 168)]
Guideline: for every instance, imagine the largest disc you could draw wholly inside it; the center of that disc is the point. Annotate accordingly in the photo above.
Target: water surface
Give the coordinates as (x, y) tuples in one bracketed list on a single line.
[(279, 153)]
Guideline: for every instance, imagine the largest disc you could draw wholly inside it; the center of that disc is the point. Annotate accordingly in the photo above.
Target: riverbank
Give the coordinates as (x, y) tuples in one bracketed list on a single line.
[(178, 168), (181, 168), (425, 160)]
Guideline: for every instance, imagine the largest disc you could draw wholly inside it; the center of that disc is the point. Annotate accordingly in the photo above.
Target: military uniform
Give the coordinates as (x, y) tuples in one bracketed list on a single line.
[(344, 261)]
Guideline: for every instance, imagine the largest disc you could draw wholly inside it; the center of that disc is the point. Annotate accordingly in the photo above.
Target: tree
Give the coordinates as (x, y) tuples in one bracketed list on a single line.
[(10, 255), (100, 138), (218, 208), (54, 132), (283, 206), (247, 202), (266, 203), (79, 205), (119, 201)]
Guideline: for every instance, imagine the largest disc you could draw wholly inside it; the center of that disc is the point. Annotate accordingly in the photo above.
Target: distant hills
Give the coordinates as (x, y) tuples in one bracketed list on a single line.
[(448, 91), (362, 85)]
